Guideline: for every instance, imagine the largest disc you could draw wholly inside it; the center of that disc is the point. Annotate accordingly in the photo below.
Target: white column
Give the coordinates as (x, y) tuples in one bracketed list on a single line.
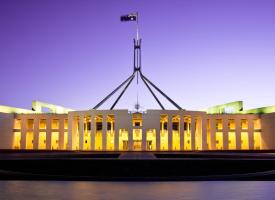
[(204, 132), (36, 133), (92, 132), (116, 129), (193, 139), (70, 131), (170, 133), (250, 133), (49, 133), (143, 146), (61, 134), (23, 133), (130, 135), (81, 131), (104, 132), (225, 133), (158, 137), (213, 130), (238, 133), (181, 132)]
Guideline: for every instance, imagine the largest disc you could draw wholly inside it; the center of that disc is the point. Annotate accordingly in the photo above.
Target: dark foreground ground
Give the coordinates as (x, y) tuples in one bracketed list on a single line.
[(137, 166)]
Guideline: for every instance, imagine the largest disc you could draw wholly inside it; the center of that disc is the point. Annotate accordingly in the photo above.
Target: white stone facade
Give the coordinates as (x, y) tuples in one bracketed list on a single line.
[(153, 130)]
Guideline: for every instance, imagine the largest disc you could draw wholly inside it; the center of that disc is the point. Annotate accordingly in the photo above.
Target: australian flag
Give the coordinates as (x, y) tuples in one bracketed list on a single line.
[(130, 17)]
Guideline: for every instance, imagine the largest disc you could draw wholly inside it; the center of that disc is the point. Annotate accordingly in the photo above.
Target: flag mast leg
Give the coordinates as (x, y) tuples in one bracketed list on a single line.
[(162, 93), (133, 76), (114, 91)]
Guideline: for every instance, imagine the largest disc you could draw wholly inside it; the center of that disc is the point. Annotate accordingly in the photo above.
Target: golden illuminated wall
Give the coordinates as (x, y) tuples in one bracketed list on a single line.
[(42, 140), (208, 134), (137, 139), (123, 140), (29, 140), (17, 135), (176, 140), (55, 140), (87, 140), (110, 140), (98, 140), (231, 140), (98, 133), (151, 140), (87, 133), (75, 134), (244, 141), (16, 140), (176, 133), (66, 139), (219, 140), (65, 144), (257, 140), (164, 132), (163, 140)]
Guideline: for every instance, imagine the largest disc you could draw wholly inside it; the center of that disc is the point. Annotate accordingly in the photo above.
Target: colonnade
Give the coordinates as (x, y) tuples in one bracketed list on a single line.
[(151, 131), (191, 134)]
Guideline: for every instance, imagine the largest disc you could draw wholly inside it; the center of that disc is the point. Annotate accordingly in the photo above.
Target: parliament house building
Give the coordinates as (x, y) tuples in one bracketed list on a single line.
[(222, 127)]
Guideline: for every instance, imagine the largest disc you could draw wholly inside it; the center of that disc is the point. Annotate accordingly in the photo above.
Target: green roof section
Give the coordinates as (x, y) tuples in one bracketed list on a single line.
[(236, 107), (262, 110), (232, 107)]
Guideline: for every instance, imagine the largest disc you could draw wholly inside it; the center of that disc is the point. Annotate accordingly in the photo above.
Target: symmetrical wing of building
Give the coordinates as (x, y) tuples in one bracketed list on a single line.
[(222, 127)]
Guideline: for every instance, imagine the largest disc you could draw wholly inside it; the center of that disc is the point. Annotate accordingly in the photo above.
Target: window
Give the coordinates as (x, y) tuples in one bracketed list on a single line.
[(16, 140), (17, 124), (185, 126), (109, 126), (231, 124), (55, 140), (175, 126), (55, 124), (137, 123), (244, 124), (219, 124), (257, 124), (30, 123), (42, 124), (98, 126), (165, 125), (65, 123)]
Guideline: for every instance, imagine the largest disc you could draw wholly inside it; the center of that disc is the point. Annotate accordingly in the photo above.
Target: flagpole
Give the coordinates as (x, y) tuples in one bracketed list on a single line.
[(137, 71), (137, 27)]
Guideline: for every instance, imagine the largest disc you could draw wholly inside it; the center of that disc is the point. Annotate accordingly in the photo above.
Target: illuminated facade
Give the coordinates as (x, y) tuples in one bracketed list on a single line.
[(223, 127)]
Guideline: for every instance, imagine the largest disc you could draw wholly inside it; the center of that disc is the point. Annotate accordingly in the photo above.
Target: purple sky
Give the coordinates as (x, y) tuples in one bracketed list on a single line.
[(200, 52)]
